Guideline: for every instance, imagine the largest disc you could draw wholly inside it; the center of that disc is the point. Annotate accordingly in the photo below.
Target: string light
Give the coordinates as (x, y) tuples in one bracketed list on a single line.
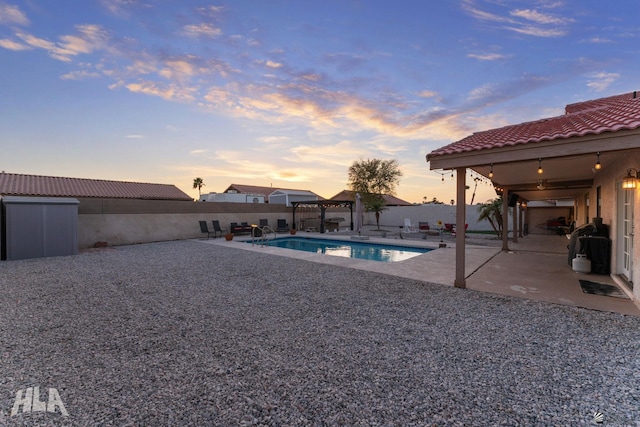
[(491, 171), (598, 165), (540, 171)]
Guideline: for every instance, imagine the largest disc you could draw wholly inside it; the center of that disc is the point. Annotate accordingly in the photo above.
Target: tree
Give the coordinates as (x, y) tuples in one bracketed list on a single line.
[(492, 212), (373, 178), (198, 183)]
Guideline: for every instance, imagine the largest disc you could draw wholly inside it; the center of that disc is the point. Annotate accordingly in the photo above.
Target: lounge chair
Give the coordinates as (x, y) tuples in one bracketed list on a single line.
[(264, 222), (205, 229), (408, 227), (282, 225), (217, 228)]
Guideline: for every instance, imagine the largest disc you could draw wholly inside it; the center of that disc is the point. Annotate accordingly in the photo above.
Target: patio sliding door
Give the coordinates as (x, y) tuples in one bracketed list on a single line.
[(625, 232)]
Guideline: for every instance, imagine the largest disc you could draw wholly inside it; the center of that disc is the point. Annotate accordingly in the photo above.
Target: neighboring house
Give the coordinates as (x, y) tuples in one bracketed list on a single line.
[(388, 199), (40, 215), (12, 184), (590, 156), (233, 197), (283, 195)]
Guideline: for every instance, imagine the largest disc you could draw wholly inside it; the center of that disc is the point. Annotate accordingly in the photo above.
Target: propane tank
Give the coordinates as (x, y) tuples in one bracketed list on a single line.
[(581, 264)]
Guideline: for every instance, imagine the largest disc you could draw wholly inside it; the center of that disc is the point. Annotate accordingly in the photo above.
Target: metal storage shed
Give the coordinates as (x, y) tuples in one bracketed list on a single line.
[(36, 227)]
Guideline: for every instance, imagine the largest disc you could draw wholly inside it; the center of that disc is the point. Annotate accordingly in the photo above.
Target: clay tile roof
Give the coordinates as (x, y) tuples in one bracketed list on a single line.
[(389, 200), (584, 118), (265, 191), (50, 186)]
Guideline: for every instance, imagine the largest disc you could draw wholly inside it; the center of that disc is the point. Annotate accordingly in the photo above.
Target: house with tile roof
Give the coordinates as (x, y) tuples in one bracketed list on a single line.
[(12, 184), (266, 192), (590, 156)]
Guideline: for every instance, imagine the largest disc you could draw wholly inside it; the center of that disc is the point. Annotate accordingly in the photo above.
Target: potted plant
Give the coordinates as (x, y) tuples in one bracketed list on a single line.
[(228, 236), (293, 231)]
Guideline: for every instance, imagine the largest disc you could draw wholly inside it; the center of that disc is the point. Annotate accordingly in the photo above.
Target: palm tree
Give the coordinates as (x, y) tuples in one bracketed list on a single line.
[(492, 212), (198, 183), (374, 203)]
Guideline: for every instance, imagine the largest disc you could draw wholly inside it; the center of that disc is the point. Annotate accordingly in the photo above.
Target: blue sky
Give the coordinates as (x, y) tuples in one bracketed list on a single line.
[(290, 93)]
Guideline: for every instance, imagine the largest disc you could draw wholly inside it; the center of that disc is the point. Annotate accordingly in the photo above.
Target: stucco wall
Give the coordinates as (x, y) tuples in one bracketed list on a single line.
[(115, 221), (609, 180), (393, 216)]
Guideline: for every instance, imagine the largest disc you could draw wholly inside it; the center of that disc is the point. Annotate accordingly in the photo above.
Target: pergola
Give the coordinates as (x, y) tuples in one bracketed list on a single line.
[(323, 205)]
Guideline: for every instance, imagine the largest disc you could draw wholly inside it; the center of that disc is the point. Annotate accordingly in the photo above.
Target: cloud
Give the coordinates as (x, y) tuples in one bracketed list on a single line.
[(522, 21), (80, 75), (599, 40), (486, 56), (428, 94), (601, 81), (12, 45), (121, 7), (12, 15), (134, 136), (88, 39), (540, 18), (202, 30), (272, 64), (170, 92)]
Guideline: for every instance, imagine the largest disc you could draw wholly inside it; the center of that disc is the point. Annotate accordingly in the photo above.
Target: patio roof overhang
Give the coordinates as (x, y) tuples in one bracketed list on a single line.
[(568, 164)]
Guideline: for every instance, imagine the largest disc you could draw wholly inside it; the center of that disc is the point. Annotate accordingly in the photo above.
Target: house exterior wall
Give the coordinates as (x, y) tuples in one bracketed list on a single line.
[(608, 179)]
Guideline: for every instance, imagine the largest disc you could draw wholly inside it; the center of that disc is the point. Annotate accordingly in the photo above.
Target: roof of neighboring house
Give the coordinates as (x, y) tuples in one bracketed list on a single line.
[(388, 199), (265, 191), (593, 117), (295, 193), (12, 184)]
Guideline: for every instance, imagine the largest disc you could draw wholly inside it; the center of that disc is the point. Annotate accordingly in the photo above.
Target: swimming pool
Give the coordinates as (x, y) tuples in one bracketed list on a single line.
[(348, 249)]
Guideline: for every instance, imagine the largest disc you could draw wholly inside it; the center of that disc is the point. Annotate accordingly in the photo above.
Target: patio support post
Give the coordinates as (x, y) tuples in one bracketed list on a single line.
[(520, 221), (515, 216), (460, 227), (505, 219)]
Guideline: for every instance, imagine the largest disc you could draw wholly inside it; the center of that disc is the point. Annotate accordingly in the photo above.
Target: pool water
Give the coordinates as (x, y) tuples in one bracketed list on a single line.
[(348, 249)]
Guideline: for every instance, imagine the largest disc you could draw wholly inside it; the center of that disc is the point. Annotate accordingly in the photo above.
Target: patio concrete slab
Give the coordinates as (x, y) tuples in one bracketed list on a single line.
[(535, 267)]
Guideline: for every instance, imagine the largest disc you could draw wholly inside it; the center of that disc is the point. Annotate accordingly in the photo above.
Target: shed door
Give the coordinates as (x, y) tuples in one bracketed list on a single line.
[(625, 232)]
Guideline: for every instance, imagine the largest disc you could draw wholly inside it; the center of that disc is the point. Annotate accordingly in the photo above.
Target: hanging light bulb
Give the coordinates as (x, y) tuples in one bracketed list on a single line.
[(442, 177), (598, 165), (491, 171), (540, 171)]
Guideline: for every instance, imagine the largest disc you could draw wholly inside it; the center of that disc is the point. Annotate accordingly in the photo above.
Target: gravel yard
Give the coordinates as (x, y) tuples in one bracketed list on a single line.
[(188, 334)]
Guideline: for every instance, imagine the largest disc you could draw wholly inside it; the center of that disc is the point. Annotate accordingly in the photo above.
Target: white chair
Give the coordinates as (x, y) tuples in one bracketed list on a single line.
[(408, 227)]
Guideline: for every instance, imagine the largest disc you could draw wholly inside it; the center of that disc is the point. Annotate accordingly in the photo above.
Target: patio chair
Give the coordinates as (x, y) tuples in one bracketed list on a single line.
[(205, 229), (264, 222), (217, 228), (423, 227), (408, 227), (282, 225)]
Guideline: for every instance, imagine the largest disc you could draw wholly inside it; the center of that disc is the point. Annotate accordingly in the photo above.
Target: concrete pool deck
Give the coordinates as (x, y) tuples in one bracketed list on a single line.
[(534, 268)]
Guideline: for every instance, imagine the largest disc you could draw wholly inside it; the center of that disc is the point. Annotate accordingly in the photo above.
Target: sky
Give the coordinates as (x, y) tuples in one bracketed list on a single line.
[(289, 93)]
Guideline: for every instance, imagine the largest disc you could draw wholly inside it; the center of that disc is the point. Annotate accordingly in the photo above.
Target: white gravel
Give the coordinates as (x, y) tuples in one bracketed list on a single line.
[(187, 334)]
